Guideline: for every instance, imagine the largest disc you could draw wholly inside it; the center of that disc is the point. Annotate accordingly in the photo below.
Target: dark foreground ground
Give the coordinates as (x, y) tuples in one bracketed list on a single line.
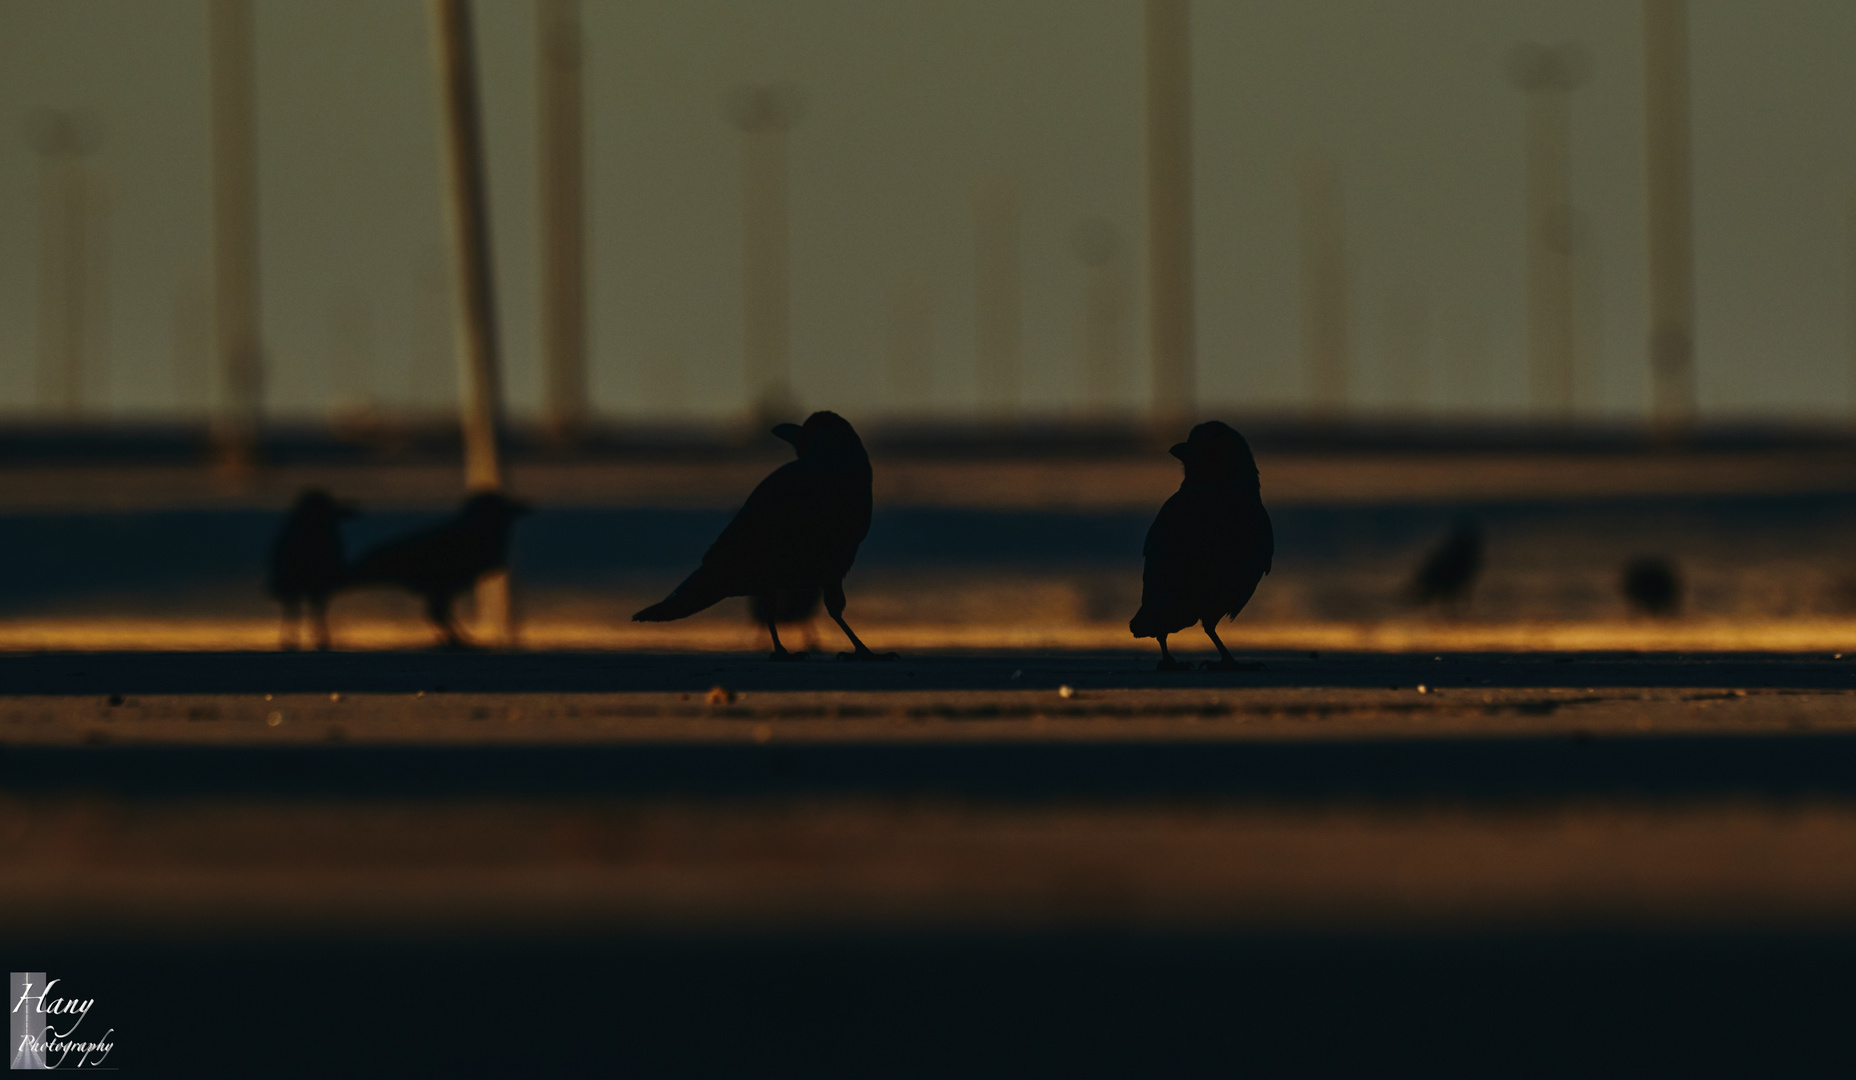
[(632, 865)]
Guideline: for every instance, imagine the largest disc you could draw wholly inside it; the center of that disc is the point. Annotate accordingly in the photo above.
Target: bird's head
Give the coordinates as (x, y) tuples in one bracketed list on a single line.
[(1215, 451), (495, 506), (317, 503), (825, 437)]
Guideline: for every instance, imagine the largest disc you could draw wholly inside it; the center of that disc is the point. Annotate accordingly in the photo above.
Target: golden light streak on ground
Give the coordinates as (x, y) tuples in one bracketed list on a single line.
[(728, 635)]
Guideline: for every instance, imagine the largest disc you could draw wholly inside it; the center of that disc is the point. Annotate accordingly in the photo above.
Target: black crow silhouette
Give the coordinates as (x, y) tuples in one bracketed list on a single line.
[(799, 530), (444, 560), (1448, 573), (307, 563), (1209, 547), (1651, 584)]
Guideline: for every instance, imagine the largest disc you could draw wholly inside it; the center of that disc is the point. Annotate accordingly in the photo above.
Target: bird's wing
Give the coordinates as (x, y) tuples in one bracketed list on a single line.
[(778, 533)]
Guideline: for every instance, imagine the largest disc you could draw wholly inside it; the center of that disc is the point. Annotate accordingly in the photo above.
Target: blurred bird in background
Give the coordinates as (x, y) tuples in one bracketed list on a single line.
[(1448, 574), (786, 607), (308, 563), (798, 531), (1209, 546), (1652, 586), (442, 561)]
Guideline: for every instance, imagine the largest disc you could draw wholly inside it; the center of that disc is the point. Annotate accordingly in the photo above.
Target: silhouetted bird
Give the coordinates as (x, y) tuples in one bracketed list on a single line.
[(1210, 545), (799, 530), (1651, 584), (440, 562), (307, 563), (785, 606), (1448, 573)]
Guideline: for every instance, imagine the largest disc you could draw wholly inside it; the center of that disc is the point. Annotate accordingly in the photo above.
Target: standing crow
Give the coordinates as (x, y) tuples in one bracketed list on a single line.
[(799, 530), (307, 563), (1652, 586), (442, 561), (1449, 572), (1209, 546)]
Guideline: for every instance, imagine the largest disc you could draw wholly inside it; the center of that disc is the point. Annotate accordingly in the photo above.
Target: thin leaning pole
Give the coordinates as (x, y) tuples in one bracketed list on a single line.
[(1169, 211), (468, 217)]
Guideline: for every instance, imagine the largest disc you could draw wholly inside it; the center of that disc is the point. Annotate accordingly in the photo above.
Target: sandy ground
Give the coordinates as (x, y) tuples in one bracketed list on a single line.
[(411, 793)]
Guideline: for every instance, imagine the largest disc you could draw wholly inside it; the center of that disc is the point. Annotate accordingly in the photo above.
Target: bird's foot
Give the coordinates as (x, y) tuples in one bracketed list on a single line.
[(783, 655), (1230, 665), (865, 655), (1173, 665)]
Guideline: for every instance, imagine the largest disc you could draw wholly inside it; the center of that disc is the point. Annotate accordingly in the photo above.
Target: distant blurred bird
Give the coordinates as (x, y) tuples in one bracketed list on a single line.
[(307, 563), (1209, 547), (786, 606), (1448, 573), (799, 530), (1652, 585), (441, 561)]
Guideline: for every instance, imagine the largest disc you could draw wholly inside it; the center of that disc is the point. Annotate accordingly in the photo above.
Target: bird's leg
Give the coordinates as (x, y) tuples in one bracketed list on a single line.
[(1226, 662), (834, 606), (1167, 663), (779, 650), (319, 615), (286, 634), (438, 610)]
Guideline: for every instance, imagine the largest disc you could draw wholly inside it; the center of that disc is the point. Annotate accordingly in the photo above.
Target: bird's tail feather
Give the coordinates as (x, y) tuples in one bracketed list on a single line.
[(688, 598)]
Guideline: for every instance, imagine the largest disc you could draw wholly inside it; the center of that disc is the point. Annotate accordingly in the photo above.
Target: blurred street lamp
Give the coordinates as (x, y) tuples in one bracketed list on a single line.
[(237, 340), (1547, 74), (69, 267), (1170, 325), (1669, 216), (997, 304), (562, 184), (763, 115), (1105, 313), (1324, 285)]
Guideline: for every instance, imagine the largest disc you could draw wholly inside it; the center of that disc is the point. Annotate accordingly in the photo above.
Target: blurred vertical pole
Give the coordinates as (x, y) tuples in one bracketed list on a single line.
[(1547, 74), (911, 344), (236, 332), (1104, 314), (1169, 211), (468, 212), (764, 114), (998, 331), (563, 253), (1324, 286), (1849, 288), (65, 202), (1669, 216)]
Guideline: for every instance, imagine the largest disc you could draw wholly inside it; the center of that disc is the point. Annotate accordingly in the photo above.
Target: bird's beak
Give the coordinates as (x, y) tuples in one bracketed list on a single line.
[(788, 432), (1179, 450)]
